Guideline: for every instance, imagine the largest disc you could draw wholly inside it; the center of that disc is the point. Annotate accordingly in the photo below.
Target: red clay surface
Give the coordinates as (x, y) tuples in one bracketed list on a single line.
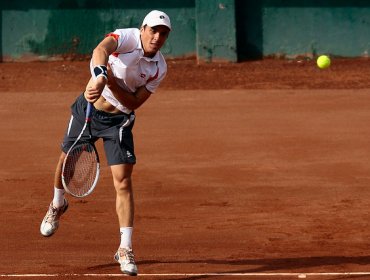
[(258, 167)]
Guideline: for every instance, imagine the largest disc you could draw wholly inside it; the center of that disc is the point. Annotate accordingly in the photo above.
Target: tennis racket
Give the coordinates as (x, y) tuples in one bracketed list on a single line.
[(81, 167)]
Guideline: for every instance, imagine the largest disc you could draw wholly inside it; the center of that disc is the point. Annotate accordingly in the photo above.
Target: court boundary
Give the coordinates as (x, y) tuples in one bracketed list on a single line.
[(262, 274)]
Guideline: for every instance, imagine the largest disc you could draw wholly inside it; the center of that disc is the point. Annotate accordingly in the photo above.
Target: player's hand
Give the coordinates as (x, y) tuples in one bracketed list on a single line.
[(94, 90)]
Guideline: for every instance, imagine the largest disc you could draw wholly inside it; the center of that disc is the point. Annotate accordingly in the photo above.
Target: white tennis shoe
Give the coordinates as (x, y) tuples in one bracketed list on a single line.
[(50, 223), (125, 257)]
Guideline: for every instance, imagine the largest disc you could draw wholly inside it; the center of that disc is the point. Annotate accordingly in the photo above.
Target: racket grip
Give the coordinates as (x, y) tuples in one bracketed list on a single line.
[(88, 111)]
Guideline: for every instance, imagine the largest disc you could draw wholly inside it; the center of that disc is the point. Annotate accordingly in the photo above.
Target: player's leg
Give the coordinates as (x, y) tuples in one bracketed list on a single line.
[(125, 212), (58, 186), (119, 150), (124, 195), (59, 204)]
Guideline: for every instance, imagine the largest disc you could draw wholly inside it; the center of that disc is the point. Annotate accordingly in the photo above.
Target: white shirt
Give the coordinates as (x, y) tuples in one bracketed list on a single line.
[(131, 68)]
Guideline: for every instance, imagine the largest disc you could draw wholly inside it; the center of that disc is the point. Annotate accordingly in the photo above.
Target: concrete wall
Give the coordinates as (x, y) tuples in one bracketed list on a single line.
[(303, 27), (72, 28), (212, 30), (215, 30)]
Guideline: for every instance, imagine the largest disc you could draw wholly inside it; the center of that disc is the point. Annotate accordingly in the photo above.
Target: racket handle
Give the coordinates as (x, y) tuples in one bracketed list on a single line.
[(88, 111)]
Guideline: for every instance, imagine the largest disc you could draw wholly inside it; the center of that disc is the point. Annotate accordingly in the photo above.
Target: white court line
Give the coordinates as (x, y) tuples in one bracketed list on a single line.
[(298, 274)]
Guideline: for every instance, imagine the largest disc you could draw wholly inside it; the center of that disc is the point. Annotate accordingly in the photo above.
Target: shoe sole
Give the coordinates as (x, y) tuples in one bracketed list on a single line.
[(129, 273)]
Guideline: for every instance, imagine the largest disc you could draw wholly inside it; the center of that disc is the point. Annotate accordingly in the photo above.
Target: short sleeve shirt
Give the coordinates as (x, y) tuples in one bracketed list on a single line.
[(131, 68)]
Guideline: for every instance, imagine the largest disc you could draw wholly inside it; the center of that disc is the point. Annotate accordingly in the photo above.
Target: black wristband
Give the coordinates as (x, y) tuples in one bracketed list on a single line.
[(101, 70)]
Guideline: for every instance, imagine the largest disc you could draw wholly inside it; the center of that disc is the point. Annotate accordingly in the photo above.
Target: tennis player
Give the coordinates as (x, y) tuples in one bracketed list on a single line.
[(127, 67)]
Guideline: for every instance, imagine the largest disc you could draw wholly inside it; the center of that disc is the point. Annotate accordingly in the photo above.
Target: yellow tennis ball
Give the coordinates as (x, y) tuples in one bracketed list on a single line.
[(323, 61)]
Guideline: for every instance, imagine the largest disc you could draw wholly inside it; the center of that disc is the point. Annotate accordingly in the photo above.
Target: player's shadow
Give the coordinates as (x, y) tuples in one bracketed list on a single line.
[(257, 265), (290, 264)]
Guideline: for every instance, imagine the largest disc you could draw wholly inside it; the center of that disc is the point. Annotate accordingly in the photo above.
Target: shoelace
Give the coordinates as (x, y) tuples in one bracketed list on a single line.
[(52, 213), (128, 254)]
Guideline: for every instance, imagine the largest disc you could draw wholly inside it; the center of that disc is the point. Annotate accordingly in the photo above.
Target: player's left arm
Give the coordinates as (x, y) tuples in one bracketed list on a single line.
[(131, 100)]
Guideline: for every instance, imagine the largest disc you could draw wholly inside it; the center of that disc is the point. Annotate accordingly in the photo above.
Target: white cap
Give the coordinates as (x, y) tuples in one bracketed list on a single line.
[(155, 18)]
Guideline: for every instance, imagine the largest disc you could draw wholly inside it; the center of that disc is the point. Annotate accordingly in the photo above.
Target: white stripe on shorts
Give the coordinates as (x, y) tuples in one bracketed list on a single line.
[(127, 123), (70, 125)]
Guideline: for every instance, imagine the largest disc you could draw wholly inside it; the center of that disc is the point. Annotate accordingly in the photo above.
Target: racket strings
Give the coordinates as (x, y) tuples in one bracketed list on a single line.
[(81, 169)]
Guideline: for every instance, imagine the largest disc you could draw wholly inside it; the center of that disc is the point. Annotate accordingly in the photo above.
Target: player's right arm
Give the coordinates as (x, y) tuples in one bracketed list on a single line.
[(131, 100), (100, 57)]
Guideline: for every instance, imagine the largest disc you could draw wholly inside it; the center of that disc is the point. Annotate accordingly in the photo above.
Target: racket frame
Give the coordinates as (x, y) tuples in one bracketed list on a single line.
[(77, 141)]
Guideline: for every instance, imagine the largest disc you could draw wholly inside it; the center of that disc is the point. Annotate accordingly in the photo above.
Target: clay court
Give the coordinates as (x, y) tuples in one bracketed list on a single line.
[(256, 170)]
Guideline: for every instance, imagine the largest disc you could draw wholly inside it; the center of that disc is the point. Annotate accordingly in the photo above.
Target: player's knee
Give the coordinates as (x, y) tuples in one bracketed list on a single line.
[(61, 159), (62, 156), (123, 185)]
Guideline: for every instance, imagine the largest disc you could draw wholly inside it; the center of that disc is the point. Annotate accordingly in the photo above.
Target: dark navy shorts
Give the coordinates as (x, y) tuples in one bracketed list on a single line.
[(114, 129)]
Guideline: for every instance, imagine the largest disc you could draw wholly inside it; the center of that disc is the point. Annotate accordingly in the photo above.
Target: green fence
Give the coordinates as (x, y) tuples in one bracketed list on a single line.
[(230, 30), (303, 27), (70, 28)]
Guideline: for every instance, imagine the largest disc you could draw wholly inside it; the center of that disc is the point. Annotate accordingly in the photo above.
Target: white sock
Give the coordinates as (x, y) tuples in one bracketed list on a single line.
[(58, 200), (126, 234)]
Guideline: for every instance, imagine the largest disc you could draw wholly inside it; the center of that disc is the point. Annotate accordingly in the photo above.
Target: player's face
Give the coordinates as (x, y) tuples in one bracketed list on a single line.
[(153, 38)]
